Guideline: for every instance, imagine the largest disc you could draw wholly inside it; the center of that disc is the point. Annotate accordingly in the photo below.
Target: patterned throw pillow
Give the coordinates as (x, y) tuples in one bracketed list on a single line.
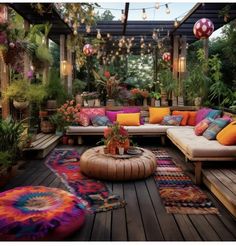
[(202, 126), (185, 117), (214, 128), (83, 119), (100, 120), (93, 111), (172, 120)]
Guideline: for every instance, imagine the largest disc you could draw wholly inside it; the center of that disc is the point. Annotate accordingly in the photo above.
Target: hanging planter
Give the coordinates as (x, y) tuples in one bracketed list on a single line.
[(20, 105)]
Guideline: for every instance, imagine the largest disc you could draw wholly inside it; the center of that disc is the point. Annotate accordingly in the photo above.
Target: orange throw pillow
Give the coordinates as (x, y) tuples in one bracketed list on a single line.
[(192, 118), (227, 136), (132, 119), (185, 116), (156, 115)]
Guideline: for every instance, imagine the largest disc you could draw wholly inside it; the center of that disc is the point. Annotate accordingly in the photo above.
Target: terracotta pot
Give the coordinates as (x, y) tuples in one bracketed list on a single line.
[(46, 126), (43, 114)]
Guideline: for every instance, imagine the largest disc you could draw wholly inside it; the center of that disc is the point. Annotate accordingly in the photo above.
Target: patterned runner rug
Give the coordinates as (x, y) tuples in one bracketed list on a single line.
[(94, 194), (178, 192)]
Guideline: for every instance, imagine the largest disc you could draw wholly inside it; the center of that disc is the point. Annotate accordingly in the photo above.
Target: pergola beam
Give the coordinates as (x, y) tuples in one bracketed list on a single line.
[(126, 18)]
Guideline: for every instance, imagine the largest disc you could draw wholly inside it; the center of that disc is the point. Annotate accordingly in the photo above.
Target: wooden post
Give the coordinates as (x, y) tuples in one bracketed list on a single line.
[(70, 68), (205, 47), (26, 57), (4, 83), (62, 57), (198, 172), (46, 69)]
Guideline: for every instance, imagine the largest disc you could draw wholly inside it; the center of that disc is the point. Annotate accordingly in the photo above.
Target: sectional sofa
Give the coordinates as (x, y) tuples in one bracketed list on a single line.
[(197, 149)]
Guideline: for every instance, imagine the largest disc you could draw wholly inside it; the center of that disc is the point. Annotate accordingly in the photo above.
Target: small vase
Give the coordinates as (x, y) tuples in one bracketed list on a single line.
[(145, 102), (97, 103), (121, 150), (70, 141)]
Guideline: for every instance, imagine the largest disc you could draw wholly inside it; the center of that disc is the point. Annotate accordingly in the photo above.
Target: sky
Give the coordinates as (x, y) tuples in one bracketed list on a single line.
[(177, 10)]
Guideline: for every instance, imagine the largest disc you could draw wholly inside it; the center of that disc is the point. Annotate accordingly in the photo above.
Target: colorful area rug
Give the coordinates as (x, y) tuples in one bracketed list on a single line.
[(178, 192), (94, 194)]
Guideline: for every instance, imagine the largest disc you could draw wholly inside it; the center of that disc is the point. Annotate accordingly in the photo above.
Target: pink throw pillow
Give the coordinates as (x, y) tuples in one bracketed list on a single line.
[(112, 115), (83, 119), (202, 126), (201, 114), (91, 112)]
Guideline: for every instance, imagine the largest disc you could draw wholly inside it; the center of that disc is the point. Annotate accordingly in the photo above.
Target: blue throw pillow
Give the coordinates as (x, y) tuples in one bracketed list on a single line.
[(172, 120), (214, 128), (100, 120), (214, 113)]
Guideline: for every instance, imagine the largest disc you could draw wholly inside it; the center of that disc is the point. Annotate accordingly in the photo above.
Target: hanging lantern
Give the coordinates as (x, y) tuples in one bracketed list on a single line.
[(203, 28), (166, 56), (88, 49)]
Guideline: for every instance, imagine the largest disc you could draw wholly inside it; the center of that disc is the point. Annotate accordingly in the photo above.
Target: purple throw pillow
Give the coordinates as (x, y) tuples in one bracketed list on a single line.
[(201, 114), (111, 115)]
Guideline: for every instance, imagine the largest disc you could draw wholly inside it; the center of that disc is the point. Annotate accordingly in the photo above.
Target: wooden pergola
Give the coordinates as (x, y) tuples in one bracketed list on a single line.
[(179, 35)]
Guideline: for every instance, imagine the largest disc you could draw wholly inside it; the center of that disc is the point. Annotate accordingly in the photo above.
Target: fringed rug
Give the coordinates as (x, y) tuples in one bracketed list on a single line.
[(178, 192), (94, 194)]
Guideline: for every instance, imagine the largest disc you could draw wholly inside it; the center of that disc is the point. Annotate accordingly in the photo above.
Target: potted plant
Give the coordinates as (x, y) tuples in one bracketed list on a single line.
[(89, 98), (22, 93), (78, 86), (59, 122), (168, 84), (155, 98), (55, 90), (5, 167)]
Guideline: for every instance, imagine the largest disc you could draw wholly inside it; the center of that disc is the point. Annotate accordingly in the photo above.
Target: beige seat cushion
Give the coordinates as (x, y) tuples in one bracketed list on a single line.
[(198, 146)]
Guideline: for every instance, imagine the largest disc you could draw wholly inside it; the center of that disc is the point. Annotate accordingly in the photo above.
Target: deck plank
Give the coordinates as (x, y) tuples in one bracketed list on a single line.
[(150, 222), (119, 232), (133, 217)]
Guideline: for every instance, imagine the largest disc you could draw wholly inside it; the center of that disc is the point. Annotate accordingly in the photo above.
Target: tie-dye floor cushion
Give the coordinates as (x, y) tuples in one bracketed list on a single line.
[(39, 213)]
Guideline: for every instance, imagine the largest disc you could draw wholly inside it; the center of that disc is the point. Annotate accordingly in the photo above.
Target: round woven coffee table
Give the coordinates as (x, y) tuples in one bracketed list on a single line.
[(94, 163)]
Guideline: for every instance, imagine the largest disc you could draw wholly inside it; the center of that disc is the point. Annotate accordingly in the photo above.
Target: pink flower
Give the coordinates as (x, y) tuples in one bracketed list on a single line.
[(71, 102)]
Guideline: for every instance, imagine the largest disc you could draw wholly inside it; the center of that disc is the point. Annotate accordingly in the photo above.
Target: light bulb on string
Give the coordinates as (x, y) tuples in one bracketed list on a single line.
[(122, 17), (157, 5), (144, 14), (88, 28), (176, 23), (99, 36), (167, 9), (108, 35), (141, 40), (82, 20), (75, 32)]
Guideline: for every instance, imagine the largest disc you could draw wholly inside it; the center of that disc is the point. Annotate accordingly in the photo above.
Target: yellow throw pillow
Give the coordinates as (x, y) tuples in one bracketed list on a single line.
[(130, 119), (227, 136), (156, 115)]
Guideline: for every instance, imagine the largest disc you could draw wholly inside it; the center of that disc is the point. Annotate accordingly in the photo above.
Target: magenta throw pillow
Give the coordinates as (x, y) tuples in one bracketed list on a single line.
[(201, 114), (111, 115)]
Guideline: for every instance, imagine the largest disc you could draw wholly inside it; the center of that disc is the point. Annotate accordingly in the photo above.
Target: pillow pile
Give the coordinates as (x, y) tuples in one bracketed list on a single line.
[(201, 114), (86, 115), (100, 120), (111, 115), (156, 115)]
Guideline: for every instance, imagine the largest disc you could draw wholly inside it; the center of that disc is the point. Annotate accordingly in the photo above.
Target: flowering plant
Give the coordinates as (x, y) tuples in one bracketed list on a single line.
[(70, 111), (137, 93), (116, 136)]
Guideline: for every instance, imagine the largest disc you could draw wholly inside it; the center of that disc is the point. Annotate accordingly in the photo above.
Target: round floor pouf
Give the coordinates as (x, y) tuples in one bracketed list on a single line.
[(39, 213)]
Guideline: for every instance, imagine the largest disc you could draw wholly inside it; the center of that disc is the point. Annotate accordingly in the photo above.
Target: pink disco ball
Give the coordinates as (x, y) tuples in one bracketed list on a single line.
[(166, 56), (88, 49), (203, 28)]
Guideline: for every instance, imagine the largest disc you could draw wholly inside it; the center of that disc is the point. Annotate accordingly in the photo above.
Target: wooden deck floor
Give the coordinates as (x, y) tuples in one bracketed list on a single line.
[(144, 218)]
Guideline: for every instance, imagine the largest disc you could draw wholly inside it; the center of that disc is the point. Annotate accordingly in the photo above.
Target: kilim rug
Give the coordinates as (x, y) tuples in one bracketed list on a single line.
[(178, 192), (94, 194)]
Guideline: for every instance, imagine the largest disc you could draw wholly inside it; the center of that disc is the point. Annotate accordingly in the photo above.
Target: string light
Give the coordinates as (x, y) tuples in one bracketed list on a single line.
[(99, 36), (88, 28), (108, 35), (157, 5), (144, 15), (167, 9), (122, 18), (176, 23), (75, 32)]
